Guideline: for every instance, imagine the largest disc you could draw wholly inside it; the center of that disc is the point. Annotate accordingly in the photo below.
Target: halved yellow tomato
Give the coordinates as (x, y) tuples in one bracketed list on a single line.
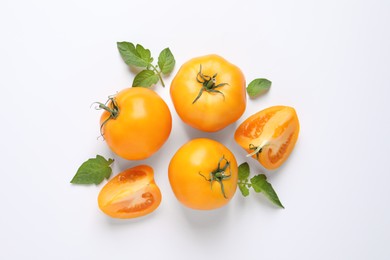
[(132, 193), (269, 135)]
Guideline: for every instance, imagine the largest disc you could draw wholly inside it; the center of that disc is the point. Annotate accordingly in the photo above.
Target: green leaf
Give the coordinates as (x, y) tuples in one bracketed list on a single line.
[(258, 87), (93, 171), (135, 56), (244, 189), (145, 78), (243, 174), (144, 53), (243, 171), (260, 184), (166, 61)]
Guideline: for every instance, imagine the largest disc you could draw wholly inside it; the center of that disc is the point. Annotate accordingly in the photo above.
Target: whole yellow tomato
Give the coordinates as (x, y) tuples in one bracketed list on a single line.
[(208, 93), (203, 174), (136, 123)]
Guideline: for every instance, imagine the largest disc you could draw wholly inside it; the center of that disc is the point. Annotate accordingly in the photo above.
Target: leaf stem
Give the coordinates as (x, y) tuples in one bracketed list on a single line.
[(158, 74), (244, 182)]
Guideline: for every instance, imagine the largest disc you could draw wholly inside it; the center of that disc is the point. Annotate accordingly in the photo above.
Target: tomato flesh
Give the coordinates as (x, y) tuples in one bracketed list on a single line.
[(132, 193), (272, 133)]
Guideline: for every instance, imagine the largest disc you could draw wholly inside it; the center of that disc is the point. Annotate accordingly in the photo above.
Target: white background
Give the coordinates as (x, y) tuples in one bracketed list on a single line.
[(328, 59)]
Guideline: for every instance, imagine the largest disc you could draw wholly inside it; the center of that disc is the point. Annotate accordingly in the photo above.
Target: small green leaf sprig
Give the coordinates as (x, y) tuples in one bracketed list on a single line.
[(259, 184), (138, 56)]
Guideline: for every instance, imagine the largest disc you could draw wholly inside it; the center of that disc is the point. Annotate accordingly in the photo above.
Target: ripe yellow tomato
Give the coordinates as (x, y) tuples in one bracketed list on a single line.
[(208, 93), (203, 174), (269, 135), (130, 194), (136, 123)]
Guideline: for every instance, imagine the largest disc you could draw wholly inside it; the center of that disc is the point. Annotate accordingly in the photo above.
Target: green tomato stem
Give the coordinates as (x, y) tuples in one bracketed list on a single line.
[(208, 84), (257, 149), (111, 106), (219, 175), (158, 74)]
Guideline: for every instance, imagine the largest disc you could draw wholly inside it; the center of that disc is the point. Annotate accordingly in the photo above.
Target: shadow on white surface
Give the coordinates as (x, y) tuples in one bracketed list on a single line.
[(133, 71), (221, 136), (127, 222), (206, 219)]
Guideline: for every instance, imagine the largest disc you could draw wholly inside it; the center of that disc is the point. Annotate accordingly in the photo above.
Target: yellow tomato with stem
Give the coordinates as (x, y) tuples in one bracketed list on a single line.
[(135, 123), (209, 93), (203, 174)]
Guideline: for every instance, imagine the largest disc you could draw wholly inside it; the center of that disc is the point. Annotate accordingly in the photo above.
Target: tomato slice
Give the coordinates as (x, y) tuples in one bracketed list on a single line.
[(269, 135), (130, 194)]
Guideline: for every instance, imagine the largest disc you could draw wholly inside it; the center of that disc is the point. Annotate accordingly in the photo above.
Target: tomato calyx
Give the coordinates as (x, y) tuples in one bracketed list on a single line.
[(111, 106), (257, 149), (208, 84), (219, 174)]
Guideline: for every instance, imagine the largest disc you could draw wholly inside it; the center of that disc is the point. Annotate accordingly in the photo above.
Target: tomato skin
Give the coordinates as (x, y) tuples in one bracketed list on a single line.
[(201, 156), (132, 193), (212, 111), (136, 134), (276, 129)]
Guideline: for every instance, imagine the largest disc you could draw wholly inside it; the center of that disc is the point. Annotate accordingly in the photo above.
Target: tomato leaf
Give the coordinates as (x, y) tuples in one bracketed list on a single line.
[(166, 61), (260, 184), (93, 171), (244, 189), (243, 171), (144, 53), (258, 87), (243, 174), (136, 56), (145, 78)]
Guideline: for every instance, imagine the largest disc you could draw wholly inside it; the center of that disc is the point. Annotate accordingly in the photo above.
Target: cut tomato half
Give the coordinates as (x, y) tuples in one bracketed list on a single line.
[(130, 194), (270, 135)]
